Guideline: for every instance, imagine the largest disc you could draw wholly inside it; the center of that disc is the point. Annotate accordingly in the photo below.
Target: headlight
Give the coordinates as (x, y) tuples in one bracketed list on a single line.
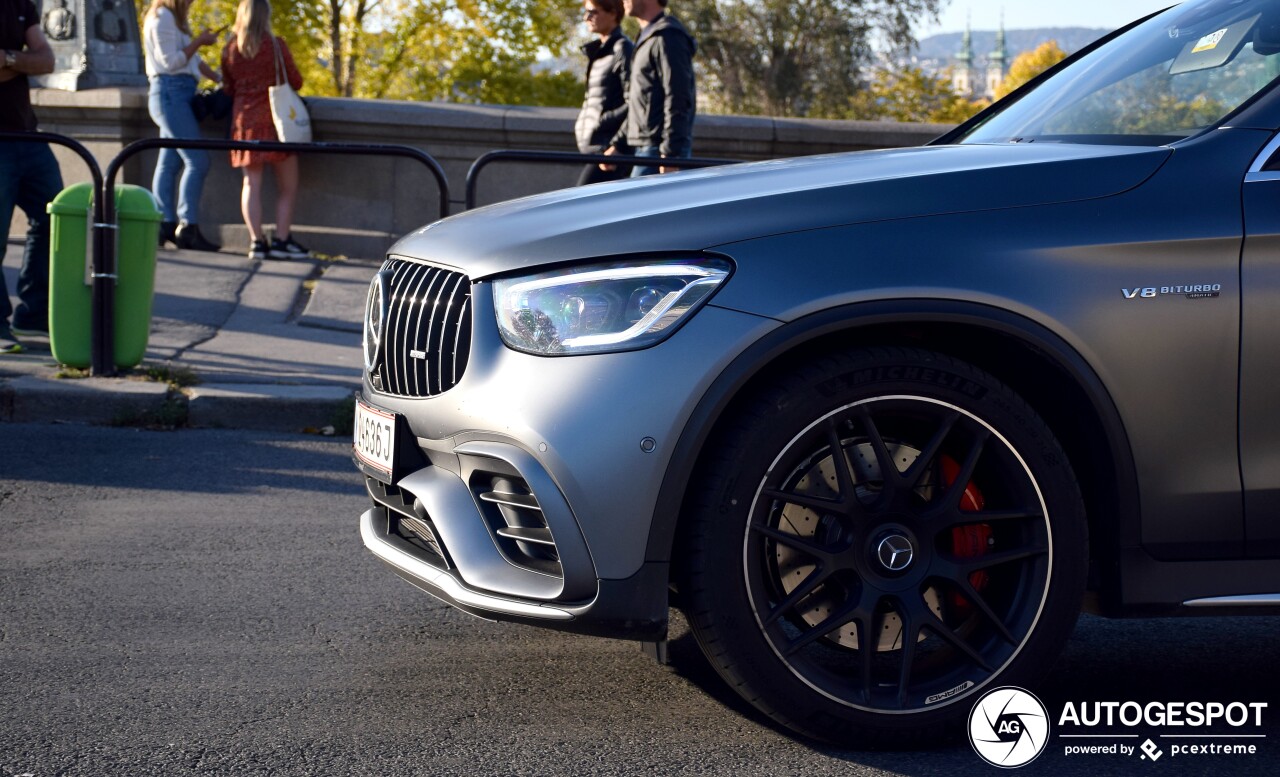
[(599, 308)]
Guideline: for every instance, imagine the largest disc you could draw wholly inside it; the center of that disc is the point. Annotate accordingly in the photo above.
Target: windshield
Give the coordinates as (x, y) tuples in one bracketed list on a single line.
[(1168, 78)]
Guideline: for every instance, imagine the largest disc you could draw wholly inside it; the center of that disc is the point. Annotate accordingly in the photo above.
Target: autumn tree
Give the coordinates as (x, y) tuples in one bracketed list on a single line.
[(909, 94), (458, 50), (793, 57), (1030, 64)]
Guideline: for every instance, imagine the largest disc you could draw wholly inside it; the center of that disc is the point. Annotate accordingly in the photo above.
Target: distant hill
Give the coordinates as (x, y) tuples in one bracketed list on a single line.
[(945, 45)]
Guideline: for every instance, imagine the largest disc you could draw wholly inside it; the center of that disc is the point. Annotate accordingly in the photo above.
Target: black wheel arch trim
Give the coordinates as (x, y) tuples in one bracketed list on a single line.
[(777, 343)]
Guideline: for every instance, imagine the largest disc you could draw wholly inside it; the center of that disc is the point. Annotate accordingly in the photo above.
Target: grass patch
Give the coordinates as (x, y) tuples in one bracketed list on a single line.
[(71, 373), (175, 377)]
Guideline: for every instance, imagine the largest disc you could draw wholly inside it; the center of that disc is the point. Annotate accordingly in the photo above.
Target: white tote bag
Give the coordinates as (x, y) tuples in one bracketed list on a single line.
[(293, 124)]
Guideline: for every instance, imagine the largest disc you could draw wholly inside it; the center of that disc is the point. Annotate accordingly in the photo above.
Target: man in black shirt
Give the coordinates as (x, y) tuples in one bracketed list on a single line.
[(29, 174)]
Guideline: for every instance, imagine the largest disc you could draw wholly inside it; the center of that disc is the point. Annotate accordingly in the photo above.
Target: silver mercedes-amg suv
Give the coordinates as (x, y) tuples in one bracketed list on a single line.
[(879, 423)]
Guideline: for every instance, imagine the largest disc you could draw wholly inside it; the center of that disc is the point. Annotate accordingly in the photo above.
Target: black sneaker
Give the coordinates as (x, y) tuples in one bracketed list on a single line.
[(258, 250), (8, 344), (288, 249), (169, 233), (189, 237)]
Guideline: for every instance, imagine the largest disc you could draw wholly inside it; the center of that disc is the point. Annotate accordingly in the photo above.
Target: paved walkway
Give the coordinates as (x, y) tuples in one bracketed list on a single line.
[(265, 345)]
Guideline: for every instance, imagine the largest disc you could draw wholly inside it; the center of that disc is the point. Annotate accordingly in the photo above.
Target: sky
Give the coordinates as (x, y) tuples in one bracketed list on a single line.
[(1024, 14)]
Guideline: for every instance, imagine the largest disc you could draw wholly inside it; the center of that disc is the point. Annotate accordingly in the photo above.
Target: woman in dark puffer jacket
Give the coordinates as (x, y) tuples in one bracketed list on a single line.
[(604, 109)]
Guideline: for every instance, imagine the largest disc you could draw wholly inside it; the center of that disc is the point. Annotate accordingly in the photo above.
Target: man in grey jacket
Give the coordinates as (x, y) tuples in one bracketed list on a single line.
[(661, 100)]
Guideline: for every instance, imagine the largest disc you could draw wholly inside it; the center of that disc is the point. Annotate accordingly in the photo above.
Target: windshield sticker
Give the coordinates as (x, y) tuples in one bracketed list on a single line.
[(1209, 42)]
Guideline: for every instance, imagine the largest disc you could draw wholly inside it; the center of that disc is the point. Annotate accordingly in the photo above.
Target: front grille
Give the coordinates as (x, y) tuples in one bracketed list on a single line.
[(426, 334)]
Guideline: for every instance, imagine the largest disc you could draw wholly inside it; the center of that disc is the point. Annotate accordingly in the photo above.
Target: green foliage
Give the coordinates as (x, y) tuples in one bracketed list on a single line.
[(458, 50), (1167, 115), (792, 57), (775, 57), (1030, 64), (1152, 102), (909, 95)]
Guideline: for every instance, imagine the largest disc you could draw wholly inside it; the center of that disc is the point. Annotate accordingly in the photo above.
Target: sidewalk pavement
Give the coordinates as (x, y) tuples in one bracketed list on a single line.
[(234, 343)]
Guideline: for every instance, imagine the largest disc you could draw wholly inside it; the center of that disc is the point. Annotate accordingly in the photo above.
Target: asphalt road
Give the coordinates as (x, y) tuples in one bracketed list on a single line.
[(199, 602)]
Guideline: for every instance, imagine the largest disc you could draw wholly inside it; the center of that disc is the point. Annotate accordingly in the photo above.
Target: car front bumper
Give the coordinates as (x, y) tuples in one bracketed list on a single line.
[(528, 490)]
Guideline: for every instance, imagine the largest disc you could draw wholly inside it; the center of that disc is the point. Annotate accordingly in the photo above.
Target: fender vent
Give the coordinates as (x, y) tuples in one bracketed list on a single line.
[(516, 520)]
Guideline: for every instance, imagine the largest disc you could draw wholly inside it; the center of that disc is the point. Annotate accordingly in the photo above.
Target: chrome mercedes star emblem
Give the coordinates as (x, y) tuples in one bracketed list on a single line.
[(895, 552)]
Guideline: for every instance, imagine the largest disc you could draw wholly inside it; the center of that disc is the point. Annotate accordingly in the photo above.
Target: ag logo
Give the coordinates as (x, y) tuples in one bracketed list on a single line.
[(1008, 727)]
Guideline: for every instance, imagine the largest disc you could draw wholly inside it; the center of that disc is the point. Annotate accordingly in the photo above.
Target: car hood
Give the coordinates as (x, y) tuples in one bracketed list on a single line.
[(701, 209)]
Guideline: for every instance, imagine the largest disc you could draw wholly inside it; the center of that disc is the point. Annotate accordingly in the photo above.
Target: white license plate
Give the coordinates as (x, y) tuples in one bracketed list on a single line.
[(375, 437)]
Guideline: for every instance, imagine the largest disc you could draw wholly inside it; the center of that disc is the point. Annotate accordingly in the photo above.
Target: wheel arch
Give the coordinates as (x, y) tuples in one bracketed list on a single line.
[(1035, 362)]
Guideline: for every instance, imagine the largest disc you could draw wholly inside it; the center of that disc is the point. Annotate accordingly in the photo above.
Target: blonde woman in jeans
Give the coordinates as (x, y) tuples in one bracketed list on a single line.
[(174, 68)]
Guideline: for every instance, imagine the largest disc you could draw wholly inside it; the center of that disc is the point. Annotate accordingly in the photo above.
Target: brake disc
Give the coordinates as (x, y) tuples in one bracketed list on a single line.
[(793, 567)]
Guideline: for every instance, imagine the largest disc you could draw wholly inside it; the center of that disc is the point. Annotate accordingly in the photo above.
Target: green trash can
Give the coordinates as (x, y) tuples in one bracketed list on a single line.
[(71, 274)]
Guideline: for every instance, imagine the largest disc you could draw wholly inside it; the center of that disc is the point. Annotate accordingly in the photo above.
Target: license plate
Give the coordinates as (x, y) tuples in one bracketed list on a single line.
[(375, 438)]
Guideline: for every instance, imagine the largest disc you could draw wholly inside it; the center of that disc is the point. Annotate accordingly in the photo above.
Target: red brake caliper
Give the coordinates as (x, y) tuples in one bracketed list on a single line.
[(967, 541)]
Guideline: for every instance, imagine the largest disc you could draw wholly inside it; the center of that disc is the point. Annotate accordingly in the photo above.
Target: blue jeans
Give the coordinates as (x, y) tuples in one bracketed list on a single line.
[(29, 179), (170, 107), (653, 151), (640, 170)]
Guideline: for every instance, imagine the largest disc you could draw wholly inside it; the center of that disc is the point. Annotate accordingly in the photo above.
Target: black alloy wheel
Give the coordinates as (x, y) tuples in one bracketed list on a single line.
[(883, 535)]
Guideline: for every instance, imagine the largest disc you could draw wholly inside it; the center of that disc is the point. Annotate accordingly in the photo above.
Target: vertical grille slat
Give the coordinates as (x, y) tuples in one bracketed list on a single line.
[(421, 302), (445, 340), (427, 345), (462, 338), (428, 314), (403, 303), (393, 324), (408, 333)]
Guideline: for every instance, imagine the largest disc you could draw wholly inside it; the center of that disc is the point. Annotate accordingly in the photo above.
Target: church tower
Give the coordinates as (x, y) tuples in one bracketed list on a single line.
[(997, 62), (962, 82)]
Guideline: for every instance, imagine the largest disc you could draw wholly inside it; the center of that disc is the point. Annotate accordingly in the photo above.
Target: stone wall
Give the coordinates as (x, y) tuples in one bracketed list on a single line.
[(359, 205)]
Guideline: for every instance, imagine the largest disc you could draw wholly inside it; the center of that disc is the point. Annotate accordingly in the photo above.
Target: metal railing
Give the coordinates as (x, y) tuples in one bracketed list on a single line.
[(345, 149), (103, 257), (104, 273), (572, 157), (104, 302)]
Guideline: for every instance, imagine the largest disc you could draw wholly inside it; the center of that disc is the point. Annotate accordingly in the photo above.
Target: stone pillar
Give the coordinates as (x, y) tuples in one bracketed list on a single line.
[(95, 44)]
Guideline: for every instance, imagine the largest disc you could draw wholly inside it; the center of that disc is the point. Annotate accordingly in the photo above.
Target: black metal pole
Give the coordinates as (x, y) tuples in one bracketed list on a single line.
[(105, 278)]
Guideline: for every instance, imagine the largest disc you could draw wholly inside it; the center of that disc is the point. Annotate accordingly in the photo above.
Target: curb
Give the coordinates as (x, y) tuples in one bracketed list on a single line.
[(122, 402), (269, 407), (30, 399)]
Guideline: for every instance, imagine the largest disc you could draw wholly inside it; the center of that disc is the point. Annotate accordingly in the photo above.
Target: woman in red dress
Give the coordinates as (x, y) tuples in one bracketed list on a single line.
[(252, 62)]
